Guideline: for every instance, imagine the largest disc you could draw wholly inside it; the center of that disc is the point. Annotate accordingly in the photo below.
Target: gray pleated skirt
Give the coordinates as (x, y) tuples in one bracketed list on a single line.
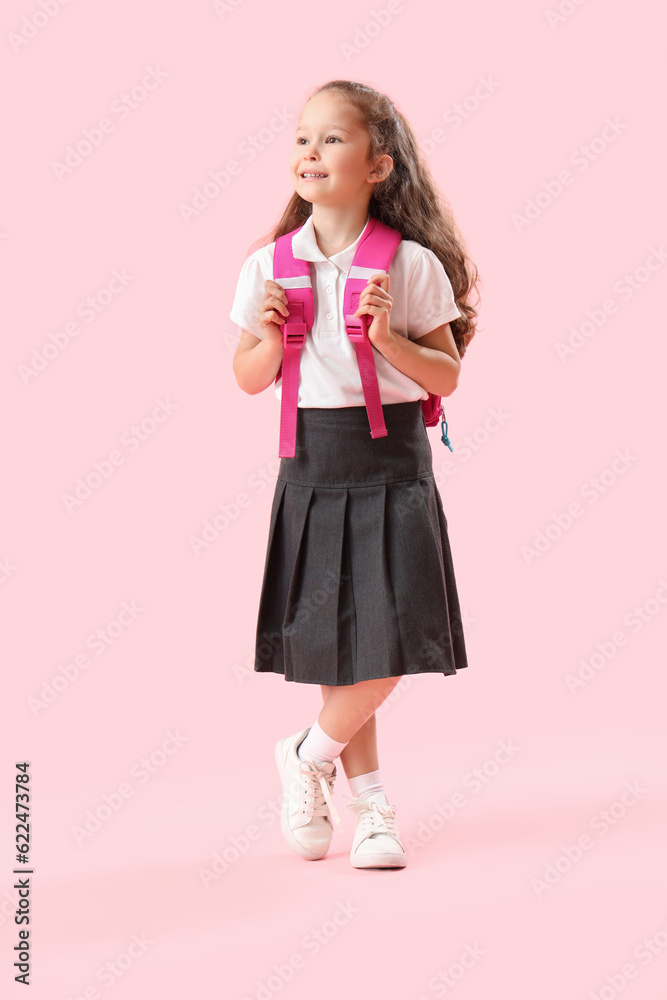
[(358, 579)]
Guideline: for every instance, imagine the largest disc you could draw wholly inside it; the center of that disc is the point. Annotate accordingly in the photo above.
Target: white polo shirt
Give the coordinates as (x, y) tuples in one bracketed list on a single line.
[(328, 373)]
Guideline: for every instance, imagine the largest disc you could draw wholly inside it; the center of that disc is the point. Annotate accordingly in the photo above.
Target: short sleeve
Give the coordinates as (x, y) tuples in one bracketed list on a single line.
[(249, 295), (431, 300)]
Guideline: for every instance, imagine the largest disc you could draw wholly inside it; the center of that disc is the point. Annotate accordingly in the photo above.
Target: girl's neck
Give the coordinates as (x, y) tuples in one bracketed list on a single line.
[(337, 229)]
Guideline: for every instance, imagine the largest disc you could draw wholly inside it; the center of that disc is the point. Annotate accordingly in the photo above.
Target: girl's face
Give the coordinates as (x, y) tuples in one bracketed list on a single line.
[(330, 140)]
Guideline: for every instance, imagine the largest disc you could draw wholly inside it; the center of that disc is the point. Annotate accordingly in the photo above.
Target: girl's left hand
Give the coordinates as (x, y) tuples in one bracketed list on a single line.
[(376, 301)]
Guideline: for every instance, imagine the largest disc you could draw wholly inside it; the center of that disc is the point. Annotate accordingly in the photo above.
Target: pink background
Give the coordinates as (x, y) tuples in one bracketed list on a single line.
[(180, 665)]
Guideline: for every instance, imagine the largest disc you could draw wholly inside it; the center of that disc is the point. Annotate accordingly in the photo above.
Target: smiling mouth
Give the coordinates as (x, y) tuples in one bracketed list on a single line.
[(311, 175)]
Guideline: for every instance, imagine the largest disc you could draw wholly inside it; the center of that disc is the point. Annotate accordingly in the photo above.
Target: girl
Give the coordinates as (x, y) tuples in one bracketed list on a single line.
[(359, 585)]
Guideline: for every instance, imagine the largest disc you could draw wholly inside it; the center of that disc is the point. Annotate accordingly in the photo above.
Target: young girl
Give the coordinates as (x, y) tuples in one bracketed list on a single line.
[(359, 585)]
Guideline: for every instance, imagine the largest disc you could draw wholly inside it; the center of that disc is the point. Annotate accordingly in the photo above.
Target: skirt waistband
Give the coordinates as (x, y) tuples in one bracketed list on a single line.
[(334, 447)]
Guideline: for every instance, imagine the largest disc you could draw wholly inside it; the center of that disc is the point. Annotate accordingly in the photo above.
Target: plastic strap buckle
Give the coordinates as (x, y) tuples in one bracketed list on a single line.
[(356, 327), (294, 333), (294, 327)]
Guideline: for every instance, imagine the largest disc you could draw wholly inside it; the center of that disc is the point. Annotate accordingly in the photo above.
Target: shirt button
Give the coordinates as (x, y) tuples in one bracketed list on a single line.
[(330, 316), (329, 289)]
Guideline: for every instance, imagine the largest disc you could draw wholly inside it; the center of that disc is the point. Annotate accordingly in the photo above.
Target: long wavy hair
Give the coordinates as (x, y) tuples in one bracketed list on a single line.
[(408, 199)]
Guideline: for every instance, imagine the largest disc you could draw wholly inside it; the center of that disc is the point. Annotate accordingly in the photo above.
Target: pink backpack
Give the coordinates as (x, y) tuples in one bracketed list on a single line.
[(374, 253)]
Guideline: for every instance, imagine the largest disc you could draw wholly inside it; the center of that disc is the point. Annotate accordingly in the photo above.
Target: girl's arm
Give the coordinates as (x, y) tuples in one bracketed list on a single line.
[(432, 361), (256, 362)]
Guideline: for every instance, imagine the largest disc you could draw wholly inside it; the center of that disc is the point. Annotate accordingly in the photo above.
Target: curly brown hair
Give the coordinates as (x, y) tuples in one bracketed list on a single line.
[(408, 199)]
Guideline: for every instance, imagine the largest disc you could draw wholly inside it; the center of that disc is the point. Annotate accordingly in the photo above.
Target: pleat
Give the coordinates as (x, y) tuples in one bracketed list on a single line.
[(289, 512), (417, 570), (311, 626), (454, 617), (369, 616)]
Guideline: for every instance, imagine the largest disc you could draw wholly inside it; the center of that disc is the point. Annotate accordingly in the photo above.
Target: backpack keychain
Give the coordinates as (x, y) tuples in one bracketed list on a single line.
[(444, 427)]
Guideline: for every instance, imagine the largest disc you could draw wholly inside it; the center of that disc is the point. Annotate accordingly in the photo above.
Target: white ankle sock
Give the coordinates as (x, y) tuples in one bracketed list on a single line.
[(363, 785), (319, 746)]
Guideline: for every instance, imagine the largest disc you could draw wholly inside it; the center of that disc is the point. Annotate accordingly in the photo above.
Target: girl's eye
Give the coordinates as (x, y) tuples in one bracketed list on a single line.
[(298, 141)]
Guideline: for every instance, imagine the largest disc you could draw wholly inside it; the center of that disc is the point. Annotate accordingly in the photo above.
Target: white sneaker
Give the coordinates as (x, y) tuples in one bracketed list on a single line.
[(308, 805), (376, 842)]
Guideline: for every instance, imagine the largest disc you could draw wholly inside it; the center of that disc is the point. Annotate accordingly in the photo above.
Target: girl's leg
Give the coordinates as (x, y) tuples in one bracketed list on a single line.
[(348, 715), (361, 754)]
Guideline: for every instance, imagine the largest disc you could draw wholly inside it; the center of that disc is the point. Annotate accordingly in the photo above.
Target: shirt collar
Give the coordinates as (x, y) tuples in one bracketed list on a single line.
[(304, 246)]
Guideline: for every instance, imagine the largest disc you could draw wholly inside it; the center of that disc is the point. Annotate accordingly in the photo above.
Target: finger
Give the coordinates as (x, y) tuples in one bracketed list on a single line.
[(376, 289), (272, 316), (274, 302), (379, 280), (377, 299), (372, 310), (275, 289)]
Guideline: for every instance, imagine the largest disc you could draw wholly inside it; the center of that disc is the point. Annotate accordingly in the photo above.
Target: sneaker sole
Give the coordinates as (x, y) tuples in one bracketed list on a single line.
[(379, 861), (284, 819)]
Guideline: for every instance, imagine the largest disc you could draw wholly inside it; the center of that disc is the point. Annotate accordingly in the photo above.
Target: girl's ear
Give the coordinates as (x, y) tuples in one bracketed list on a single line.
[(383, 167)]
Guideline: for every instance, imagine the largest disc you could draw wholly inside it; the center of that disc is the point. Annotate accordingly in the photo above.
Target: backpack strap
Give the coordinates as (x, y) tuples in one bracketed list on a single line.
[(294, 275), (374, 253)]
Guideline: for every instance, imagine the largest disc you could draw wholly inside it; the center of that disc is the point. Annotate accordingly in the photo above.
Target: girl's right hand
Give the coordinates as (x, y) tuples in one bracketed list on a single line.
[(273, 310)]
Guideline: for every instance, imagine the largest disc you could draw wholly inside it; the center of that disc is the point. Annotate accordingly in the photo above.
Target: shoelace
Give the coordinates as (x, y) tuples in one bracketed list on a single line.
[(318, 785), (376, 817)]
